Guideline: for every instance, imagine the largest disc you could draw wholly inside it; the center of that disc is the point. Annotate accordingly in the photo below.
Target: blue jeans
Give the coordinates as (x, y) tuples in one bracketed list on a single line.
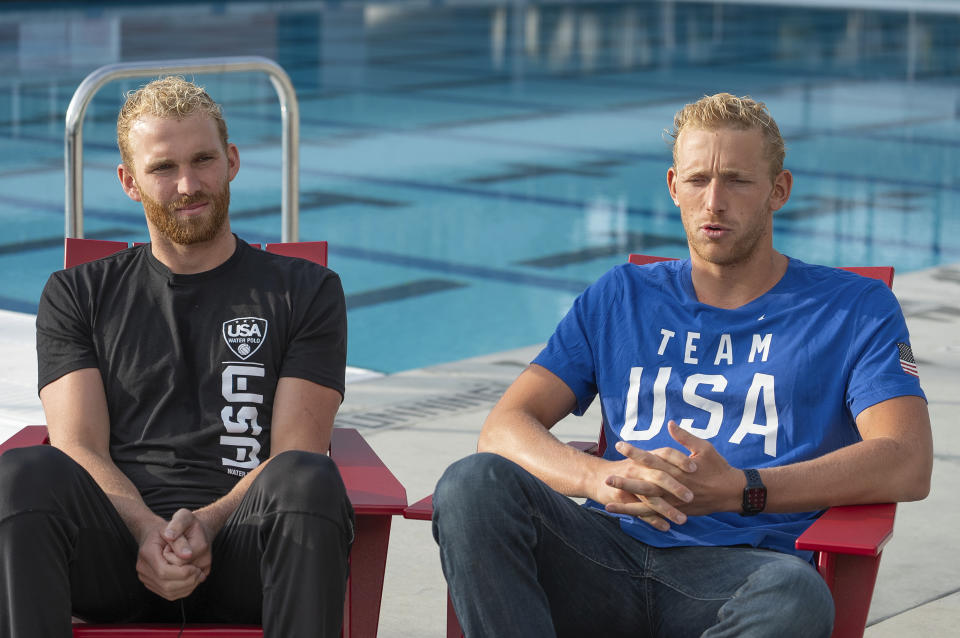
[(523, 560)]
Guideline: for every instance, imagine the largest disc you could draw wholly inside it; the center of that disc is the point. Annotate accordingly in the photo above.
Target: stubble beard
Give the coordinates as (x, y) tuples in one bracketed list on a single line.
[(743, 248), (189, 230)]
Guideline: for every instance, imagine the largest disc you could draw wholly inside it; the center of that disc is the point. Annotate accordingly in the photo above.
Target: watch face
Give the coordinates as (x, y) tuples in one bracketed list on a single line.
[(755, 494), (754, 499)]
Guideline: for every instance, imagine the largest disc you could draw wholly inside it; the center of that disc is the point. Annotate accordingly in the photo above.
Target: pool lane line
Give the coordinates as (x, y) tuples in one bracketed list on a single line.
[(400, 292), (88, 211), (44, 243), (18, 305), (443, 266)]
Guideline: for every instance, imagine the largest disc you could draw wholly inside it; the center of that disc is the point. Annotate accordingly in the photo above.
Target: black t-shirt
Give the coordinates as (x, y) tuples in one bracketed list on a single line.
[(190, 363)]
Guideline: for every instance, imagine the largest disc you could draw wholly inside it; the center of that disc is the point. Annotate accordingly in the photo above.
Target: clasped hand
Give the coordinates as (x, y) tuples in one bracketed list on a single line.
[(665, 485), (174, 556)]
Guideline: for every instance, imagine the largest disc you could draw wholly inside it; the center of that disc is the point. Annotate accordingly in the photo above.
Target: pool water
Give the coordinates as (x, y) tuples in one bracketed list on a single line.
[(475, 166)]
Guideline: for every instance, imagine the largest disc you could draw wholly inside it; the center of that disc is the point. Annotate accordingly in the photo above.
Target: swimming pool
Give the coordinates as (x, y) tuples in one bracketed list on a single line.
[(475, 166)]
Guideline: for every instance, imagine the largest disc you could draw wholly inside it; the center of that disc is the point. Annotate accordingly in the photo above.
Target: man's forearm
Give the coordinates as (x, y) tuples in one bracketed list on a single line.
[(518, 436), (871, 471), (215, 515), (892, 463), (119, 489)]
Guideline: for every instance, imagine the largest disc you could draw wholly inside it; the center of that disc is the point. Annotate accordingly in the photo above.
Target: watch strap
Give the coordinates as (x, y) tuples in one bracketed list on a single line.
[(754, 494)]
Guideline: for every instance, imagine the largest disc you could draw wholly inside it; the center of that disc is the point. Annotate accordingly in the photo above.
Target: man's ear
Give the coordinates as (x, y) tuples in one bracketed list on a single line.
[(782, 185), (128, 183), (233, 160), (672, 184)]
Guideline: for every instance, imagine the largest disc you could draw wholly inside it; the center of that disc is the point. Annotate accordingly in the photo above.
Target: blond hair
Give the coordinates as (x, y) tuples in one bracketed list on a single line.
[(725, 110), (168, 97)]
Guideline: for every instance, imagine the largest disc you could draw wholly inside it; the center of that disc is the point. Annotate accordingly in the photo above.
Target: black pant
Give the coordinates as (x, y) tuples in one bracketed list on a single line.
[(280, 559)]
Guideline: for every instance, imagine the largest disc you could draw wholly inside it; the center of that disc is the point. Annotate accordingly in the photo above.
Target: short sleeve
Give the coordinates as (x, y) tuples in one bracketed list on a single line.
[(571, 351), (64, 333), (883, 367), (317, 346)]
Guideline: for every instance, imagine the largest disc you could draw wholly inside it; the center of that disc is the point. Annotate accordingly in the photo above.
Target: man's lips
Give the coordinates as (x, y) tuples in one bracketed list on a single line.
[(714, 230), (191, 207)]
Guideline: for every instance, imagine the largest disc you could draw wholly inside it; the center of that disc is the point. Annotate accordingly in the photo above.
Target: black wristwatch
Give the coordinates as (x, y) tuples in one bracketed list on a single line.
[(754, 494)]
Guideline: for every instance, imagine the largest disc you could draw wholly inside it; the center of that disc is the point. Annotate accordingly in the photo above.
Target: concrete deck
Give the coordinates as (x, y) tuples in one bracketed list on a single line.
[(421, 420)]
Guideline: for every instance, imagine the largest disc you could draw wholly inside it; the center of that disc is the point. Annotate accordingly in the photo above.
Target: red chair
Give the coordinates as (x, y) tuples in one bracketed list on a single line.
[(374, 491), (847, 540)]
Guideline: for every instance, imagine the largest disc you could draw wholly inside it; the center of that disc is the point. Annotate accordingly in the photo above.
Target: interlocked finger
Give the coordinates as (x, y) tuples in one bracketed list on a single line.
[(653, 509), (651, 483)]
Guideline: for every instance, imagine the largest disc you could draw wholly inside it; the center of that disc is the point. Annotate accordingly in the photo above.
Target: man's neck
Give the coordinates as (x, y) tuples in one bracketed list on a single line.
[(193, 258), (735, 285)]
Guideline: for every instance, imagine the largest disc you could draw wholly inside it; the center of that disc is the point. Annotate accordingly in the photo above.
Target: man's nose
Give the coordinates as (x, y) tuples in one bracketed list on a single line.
[(188, 182), (716, 196)]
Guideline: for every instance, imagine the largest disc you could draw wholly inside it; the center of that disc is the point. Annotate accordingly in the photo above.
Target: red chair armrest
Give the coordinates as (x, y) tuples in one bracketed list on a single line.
[(849, 541), (29, 435), (854, 529), (373, 489), (376, 495), (422, 510)]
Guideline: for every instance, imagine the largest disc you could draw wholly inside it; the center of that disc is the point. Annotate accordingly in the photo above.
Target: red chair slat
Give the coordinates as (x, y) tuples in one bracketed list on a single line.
[(315, 251), (80, 251)]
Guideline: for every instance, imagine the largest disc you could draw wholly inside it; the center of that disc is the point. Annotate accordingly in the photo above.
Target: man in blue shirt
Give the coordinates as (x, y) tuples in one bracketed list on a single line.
[(742, 391)]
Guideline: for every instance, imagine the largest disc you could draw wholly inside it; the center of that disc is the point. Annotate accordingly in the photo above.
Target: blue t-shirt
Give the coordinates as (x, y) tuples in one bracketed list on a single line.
[(776, 381)]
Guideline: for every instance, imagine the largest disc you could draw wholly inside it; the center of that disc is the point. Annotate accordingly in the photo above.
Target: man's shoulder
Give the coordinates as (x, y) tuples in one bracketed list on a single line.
[(92, 274), (832, 279), (653, 272), (630, 279), (263, 260), (847, 294), (294, 277)]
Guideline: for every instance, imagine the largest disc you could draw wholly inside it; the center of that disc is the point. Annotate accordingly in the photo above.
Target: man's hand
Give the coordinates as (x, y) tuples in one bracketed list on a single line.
[(188, 541), (647, 484), (716, 486), (162, 569), (665, 485)]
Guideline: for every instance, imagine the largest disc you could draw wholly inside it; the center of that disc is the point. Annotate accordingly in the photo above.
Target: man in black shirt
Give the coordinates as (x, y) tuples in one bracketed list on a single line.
[(190, 387)]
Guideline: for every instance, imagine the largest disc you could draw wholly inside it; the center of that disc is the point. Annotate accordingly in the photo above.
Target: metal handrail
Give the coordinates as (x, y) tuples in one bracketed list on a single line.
[(290, 115)]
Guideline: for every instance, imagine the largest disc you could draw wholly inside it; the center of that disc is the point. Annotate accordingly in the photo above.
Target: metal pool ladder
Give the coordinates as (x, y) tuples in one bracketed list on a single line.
[(289, 110)]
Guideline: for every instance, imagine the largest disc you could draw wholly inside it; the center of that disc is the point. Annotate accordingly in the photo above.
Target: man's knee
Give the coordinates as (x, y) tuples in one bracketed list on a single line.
[(32, 478), (811, 603), (296, 480), (478, 495), (475, 484), (800, 599)]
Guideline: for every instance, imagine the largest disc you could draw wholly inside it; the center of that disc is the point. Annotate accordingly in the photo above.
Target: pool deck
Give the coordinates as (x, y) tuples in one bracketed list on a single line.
[(420, 421)]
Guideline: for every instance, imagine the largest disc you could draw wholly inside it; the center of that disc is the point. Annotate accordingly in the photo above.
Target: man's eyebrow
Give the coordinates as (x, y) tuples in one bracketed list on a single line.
[(154, 163), (725, 172)]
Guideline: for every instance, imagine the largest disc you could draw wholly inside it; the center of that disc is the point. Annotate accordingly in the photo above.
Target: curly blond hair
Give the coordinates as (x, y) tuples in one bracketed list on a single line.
[(725, 110), (168, 97)]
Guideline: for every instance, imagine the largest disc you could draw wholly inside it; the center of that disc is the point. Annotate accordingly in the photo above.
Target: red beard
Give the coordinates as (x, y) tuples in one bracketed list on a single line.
[(189, 230)]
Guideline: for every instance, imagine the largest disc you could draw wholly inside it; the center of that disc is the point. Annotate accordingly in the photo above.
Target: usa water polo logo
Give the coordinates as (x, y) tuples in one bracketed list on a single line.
[(244, 335)]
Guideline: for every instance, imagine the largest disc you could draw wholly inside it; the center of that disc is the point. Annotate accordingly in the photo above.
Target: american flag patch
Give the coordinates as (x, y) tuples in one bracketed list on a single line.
[(907, 362)]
